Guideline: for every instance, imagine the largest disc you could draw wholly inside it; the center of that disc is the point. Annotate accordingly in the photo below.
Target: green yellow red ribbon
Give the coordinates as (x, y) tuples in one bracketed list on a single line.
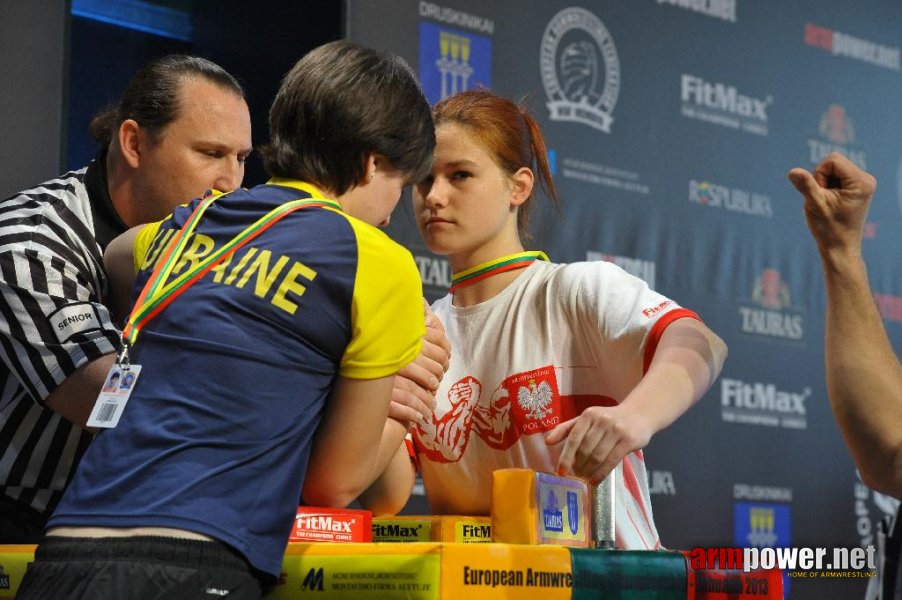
[(159, 293), (502, 264)]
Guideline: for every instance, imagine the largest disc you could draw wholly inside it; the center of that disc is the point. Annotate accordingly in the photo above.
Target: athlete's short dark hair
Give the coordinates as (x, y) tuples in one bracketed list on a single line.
[(340, 103)]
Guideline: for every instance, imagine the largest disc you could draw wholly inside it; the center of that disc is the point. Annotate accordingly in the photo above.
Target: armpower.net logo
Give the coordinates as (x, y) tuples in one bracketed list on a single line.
[(795, 562)]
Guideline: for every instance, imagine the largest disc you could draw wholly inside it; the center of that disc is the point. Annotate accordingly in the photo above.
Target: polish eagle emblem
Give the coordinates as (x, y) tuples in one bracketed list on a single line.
[(535, 399)]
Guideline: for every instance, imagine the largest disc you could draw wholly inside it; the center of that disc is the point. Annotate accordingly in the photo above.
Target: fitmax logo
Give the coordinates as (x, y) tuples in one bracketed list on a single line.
[(396, 531), (761, 396), (722, 97), (324, 523)]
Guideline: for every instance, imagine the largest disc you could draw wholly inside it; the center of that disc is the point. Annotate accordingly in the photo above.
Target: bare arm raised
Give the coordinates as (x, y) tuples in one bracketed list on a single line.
[(864, 377)]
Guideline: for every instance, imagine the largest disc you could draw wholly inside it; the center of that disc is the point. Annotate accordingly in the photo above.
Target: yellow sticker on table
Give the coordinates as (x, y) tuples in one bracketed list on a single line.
[(468, 530), (364, 571), (13, 561), (490, 571)]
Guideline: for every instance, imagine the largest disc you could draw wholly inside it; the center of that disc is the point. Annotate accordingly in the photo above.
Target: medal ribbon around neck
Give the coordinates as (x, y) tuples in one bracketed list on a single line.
[(501, 264), (158, 293)]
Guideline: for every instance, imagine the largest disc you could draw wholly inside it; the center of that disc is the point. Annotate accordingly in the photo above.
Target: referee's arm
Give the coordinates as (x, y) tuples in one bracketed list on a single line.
[(74, 397)]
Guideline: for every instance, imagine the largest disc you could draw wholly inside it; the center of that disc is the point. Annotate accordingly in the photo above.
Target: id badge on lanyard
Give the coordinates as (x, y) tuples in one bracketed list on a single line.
[(117, 388)]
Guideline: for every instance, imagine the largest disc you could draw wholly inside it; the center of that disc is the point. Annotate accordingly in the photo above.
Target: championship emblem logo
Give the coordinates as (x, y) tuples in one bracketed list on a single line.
[(580, 69)]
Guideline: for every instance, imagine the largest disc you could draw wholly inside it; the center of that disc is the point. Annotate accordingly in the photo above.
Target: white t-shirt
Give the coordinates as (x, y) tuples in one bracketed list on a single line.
[(560, 338)]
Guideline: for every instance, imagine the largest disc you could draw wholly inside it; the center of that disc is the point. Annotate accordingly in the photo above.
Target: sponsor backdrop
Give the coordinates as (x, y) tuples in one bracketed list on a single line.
[(671, 125)]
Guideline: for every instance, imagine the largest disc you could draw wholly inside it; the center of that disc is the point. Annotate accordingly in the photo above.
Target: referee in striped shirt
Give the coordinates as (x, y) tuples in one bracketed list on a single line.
[(181, 127)]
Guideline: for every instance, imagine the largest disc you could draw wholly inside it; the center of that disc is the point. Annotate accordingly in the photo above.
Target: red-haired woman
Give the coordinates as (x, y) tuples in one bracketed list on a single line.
[(568, 368)]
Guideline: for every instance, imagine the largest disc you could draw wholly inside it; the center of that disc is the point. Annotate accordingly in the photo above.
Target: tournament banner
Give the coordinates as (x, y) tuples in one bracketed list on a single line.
[(670, 128)]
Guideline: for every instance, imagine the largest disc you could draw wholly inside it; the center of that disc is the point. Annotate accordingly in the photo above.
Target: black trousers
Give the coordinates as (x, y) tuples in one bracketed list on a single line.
[(19, 524), (138, 568)]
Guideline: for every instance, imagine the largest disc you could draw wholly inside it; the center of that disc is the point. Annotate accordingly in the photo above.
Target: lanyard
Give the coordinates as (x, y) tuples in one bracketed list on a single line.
[(158, 293), (495, 266)]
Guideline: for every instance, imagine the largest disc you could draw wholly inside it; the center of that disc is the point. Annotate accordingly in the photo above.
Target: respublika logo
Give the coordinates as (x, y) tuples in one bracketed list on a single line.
[(637, 267), (707, 193), (577, 55), (452, 61), (758, 403), (772, 316), (661, 483), (836, 133), (842, 44), (722, 104), (718, 9)]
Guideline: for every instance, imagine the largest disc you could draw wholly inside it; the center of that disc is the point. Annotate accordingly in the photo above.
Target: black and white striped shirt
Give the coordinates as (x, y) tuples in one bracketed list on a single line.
[(52, 321)]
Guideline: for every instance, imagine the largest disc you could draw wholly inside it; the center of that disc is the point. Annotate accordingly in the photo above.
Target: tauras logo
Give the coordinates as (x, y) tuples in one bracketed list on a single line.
[(836, 134), (771, 323), (762, 396), (773, 316), (723, 97), (552, 514), (433, 270)]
